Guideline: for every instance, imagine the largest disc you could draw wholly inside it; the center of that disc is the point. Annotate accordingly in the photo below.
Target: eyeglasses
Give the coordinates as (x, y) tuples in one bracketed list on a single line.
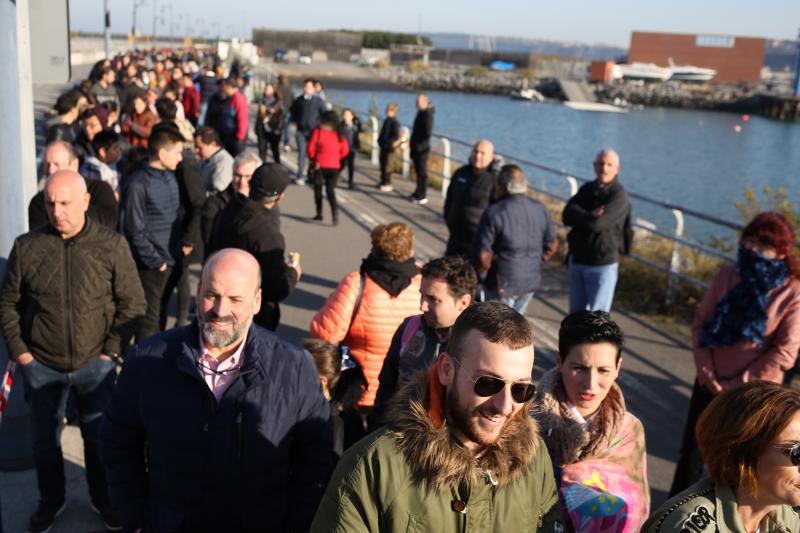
[(486, 386), (793, 453)]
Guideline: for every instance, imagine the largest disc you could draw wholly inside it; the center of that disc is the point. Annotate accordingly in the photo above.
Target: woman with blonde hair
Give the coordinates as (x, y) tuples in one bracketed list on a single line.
[(369, 305)]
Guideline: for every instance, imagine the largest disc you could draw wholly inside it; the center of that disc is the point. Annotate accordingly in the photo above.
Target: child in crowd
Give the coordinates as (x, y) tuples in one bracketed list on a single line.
[(343, 383)]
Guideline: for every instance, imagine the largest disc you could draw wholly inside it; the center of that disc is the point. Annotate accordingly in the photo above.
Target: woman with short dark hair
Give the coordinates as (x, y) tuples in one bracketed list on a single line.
[(597, 446), (747, 328), (749, 438)]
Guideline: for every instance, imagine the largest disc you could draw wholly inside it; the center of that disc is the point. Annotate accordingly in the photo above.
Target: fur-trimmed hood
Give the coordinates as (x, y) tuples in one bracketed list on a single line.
[(422, 434), (568, 439)]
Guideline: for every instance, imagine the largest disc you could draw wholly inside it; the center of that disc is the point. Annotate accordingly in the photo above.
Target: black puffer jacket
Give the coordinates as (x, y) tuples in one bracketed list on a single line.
[(249, 226), (67, 301), (469, 194), (597, 240)]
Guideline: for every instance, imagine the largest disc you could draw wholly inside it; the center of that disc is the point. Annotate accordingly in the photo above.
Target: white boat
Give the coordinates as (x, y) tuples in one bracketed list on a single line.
[(531, 95), (690, 72), (641, 71), (595, 106)]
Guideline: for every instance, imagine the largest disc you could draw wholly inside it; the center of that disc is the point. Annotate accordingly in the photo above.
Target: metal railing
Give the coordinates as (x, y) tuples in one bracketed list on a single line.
[(676, 237)]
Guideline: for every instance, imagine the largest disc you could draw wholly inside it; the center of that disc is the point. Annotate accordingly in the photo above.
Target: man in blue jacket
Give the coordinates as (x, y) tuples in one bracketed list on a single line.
[(150, 219), (221, 425), (306, 111)]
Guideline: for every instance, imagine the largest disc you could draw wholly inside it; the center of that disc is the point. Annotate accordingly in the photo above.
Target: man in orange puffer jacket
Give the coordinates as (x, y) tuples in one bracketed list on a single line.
[(389, 294)]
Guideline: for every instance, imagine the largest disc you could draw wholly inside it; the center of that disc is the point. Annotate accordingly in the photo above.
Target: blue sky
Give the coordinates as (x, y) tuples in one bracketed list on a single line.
[(590, 21)]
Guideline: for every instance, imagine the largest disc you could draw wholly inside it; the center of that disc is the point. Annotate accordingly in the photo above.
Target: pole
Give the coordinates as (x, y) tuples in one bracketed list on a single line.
[(155, 19), (797, 68), (18, 160), (133, 24), (107, 30)]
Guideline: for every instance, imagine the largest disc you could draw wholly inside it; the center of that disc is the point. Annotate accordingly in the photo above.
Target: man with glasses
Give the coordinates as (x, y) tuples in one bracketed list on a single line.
[(220, 425), (460, 451)]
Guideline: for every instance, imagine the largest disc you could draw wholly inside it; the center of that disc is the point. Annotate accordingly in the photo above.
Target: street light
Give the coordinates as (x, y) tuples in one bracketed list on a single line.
[(171, 20), (136, 4)]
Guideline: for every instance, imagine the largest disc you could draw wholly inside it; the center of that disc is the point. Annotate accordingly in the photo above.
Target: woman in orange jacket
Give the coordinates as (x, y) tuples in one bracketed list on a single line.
[(388, 283)]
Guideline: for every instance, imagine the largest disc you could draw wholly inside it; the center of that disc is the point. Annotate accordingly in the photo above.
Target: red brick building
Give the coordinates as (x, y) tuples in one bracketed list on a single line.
[(734, 58)]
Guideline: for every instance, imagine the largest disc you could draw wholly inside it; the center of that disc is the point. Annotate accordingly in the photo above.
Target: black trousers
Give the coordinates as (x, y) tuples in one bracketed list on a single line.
[(273, 142), (690, 463), (328, 178), (178, 279), (153, 283), (233, 145), (348, 161), (421, 169), (386, 168)]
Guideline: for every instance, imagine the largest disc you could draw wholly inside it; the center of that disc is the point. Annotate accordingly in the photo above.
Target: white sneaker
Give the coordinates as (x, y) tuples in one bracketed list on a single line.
[(386, 188), (300, 181), (287, 148), (421, 201)]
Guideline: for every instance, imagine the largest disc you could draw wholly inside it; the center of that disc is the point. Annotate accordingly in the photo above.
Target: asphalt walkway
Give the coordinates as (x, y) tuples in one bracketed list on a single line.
[(657, 367)]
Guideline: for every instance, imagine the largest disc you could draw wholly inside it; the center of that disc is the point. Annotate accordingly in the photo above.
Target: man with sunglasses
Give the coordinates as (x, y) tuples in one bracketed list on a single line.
[(221, 425), (459, 452)]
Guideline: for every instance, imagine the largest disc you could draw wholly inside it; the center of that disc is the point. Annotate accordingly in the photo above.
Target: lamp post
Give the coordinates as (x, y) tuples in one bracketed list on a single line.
[(136, 4)]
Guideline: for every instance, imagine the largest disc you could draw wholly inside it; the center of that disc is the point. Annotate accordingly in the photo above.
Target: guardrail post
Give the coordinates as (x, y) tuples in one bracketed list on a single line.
[(405, 134), (446, 166), (675, 259), (573, 186), (374, 121)]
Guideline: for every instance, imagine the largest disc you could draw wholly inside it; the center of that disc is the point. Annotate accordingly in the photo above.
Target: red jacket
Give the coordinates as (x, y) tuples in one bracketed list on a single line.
[(331, 151), (191, 102), (239, 104)]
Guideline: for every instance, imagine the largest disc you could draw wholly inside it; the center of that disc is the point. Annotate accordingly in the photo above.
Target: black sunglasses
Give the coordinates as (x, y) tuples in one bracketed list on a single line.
[(486, 386), (793, 453)]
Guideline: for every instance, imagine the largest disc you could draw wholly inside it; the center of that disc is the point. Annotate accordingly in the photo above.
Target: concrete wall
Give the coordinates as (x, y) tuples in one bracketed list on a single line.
[(337, 45), (734, 58)]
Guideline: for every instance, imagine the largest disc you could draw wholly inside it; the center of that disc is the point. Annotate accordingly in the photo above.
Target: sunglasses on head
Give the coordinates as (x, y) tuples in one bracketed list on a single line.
[(793, 453), (486, 386)]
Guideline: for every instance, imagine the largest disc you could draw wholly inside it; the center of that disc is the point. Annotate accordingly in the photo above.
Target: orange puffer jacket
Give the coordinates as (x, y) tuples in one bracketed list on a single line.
[(371, 333)]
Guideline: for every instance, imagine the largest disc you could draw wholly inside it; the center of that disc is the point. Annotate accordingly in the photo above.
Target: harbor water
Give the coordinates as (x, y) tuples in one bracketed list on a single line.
[(702, 160)]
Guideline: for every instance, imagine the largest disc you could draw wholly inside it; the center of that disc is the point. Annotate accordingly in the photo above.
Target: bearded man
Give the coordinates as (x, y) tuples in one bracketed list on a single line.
[(220, 425), (460, 452)]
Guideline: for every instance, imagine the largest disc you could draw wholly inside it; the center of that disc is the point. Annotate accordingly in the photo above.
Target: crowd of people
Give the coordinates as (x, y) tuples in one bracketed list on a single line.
[(411, 406)]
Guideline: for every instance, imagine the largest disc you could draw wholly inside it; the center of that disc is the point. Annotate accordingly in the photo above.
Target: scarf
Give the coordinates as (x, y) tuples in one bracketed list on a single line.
[(741, 314), (567, 439), (392, 276)]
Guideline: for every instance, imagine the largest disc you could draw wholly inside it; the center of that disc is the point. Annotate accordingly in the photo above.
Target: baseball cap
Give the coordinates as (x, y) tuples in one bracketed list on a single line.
[(269, 180)]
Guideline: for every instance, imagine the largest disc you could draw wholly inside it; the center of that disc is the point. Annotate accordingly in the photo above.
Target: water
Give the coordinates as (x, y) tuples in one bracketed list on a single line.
[(691, 158)]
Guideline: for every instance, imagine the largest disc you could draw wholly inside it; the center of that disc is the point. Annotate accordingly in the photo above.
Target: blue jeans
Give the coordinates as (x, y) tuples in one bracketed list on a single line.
[(302, 142), (591, 287), (519, 303), (46, 393)]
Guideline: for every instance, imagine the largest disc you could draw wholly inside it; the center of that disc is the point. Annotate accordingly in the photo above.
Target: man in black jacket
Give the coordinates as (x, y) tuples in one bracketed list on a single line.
[(306, 112), (421, 147), (389, 140), (150, 219), (220, 426), (468, 195), (253, 224), (60, 155), (70, 292), (599, 215)]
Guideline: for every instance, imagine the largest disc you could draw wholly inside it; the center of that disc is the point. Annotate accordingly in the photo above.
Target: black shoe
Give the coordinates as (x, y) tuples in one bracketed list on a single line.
[(351, 186), (109, 516), (335, 220), (318, 217), (45, 514)]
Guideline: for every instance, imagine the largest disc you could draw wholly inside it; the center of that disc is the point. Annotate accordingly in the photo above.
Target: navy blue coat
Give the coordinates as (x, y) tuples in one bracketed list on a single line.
[(177, 460)]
